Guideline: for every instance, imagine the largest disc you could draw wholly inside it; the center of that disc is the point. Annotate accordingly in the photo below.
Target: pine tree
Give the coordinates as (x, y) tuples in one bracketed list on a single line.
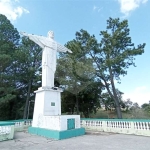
[(9, 41)]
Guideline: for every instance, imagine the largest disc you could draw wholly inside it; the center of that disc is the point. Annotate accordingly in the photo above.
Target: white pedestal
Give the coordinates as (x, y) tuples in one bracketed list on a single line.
[(58, 123), (47, 111), (47, 102), (47, 118)]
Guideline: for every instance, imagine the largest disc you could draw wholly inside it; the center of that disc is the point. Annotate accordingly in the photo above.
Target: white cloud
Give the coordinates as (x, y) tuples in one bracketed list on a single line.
[(98, 9), (94, 7), (140, 89), (140, 95), (144, 1), (10, 10), (126, 6)]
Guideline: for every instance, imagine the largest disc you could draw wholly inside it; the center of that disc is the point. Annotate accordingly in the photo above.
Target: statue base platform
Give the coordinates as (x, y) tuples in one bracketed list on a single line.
[(55, 134), (47, 103), (47, 118), (58, 127)]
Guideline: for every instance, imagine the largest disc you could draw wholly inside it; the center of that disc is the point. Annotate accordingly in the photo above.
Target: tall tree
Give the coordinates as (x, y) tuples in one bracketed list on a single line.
[(28, 70), (9, 41), (89, 99), (146, 108), (74, 71), (112, 55)]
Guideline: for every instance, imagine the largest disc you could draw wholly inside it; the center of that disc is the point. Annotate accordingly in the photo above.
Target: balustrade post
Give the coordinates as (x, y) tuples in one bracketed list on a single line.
[(104, 126), (132, 128)]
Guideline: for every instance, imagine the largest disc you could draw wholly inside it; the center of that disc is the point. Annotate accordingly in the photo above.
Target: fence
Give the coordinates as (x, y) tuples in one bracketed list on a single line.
[(125, 126), (22, 124), (6, 130)]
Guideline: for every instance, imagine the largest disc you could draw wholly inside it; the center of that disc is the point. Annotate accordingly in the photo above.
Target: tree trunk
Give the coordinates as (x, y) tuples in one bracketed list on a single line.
[(118, 109), (77, 104), (27, 100), (115, 97), (86, 114)]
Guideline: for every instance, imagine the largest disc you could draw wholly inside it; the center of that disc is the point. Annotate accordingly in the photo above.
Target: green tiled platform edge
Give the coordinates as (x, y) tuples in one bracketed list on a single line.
[(9, 136), (59, 135)]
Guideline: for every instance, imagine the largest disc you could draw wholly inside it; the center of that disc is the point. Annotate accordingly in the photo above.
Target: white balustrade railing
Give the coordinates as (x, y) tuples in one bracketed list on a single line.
[(6, 130), (125, 126), (21, 125)]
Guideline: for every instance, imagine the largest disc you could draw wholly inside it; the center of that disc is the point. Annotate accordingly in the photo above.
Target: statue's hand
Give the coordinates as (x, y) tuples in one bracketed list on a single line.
[(24, 33), (69, 51), (61, 48)]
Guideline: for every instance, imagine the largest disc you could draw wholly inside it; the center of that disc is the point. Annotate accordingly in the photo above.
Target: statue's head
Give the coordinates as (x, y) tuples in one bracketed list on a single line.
[(50, 34)]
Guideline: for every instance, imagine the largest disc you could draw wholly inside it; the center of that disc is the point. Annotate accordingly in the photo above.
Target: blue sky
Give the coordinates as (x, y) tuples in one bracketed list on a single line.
[(65, 17)]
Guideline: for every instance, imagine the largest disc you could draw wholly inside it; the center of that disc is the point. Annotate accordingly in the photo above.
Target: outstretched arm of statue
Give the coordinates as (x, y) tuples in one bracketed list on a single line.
[(34, 38), (24, 34), (61, 48)]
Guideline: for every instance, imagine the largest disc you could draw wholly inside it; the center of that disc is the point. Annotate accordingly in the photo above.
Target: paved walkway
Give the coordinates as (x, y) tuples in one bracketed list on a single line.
[(94, 141)]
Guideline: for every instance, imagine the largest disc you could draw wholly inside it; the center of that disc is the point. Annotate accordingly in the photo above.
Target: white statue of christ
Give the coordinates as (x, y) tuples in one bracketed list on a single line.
[(49, 55)]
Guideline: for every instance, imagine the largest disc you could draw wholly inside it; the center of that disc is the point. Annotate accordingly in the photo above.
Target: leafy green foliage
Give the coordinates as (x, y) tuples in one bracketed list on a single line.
[(20, 62), (146, 108), (88, 100), (28, 70), (75, 73), (9, 41), (112, 55)]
